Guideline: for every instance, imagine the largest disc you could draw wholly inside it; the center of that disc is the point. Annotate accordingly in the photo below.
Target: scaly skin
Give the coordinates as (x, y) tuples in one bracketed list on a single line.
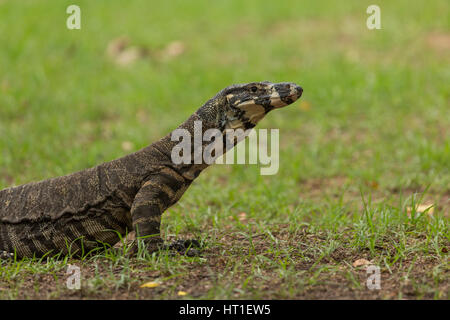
[(78, 212)]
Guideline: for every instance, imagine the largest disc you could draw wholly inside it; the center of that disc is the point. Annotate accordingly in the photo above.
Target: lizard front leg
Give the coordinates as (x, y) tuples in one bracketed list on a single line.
[(148, 206), (155, 196)]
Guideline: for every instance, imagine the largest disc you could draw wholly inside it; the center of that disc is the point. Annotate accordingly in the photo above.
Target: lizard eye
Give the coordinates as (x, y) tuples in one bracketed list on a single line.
[(253, 89)]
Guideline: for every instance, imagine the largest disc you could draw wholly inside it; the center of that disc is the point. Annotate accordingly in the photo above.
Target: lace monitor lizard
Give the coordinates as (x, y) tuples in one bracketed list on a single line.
[(76, 213)]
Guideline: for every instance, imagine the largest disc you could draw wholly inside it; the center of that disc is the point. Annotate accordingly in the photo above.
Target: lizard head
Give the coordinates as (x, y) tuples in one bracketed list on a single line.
[(235, 110), (246, 104)]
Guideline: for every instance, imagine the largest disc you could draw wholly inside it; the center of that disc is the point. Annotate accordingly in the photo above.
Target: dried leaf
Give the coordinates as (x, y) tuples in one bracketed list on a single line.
[(373, 184), (429, 208), (182, 293), (174, 49), (150, 284), (142, 116), (116, 46), (242, 216), (127, 146), (123, 54), (361, 262), (305, 105), (129, 56)]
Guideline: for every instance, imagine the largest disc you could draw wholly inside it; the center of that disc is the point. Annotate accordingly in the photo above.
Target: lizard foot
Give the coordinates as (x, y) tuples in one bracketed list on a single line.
[(191, 247), (6, 255)]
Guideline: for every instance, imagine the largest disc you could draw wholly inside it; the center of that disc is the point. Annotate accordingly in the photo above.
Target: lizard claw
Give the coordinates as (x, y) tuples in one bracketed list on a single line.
[(6, 255)]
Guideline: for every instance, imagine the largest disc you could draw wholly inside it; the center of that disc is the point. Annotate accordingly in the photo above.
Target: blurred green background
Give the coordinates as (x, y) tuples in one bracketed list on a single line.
[(375, 104)]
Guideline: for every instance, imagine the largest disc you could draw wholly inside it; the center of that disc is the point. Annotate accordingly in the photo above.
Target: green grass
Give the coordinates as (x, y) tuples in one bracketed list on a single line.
[(368, 140)]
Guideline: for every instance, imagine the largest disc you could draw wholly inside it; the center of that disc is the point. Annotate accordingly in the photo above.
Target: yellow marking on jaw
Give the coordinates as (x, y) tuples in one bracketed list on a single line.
[(252, 109), (254, 112), (246, 103), (234, 124)]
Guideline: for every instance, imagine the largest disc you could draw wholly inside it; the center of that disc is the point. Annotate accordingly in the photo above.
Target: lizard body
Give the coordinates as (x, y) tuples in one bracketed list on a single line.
[(76, 213)]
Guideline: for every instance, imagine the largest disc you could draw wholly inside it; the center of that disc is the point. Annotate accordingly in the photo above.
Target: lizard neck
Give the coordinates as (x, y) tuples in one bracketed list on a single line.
[(164, 148), (190, 131)]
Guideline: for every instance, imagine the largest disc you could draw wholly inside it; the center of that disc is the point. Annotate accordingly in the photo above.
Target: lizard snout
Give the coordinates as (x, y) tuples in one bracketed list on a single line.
[(287, 93), (299, 91)]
